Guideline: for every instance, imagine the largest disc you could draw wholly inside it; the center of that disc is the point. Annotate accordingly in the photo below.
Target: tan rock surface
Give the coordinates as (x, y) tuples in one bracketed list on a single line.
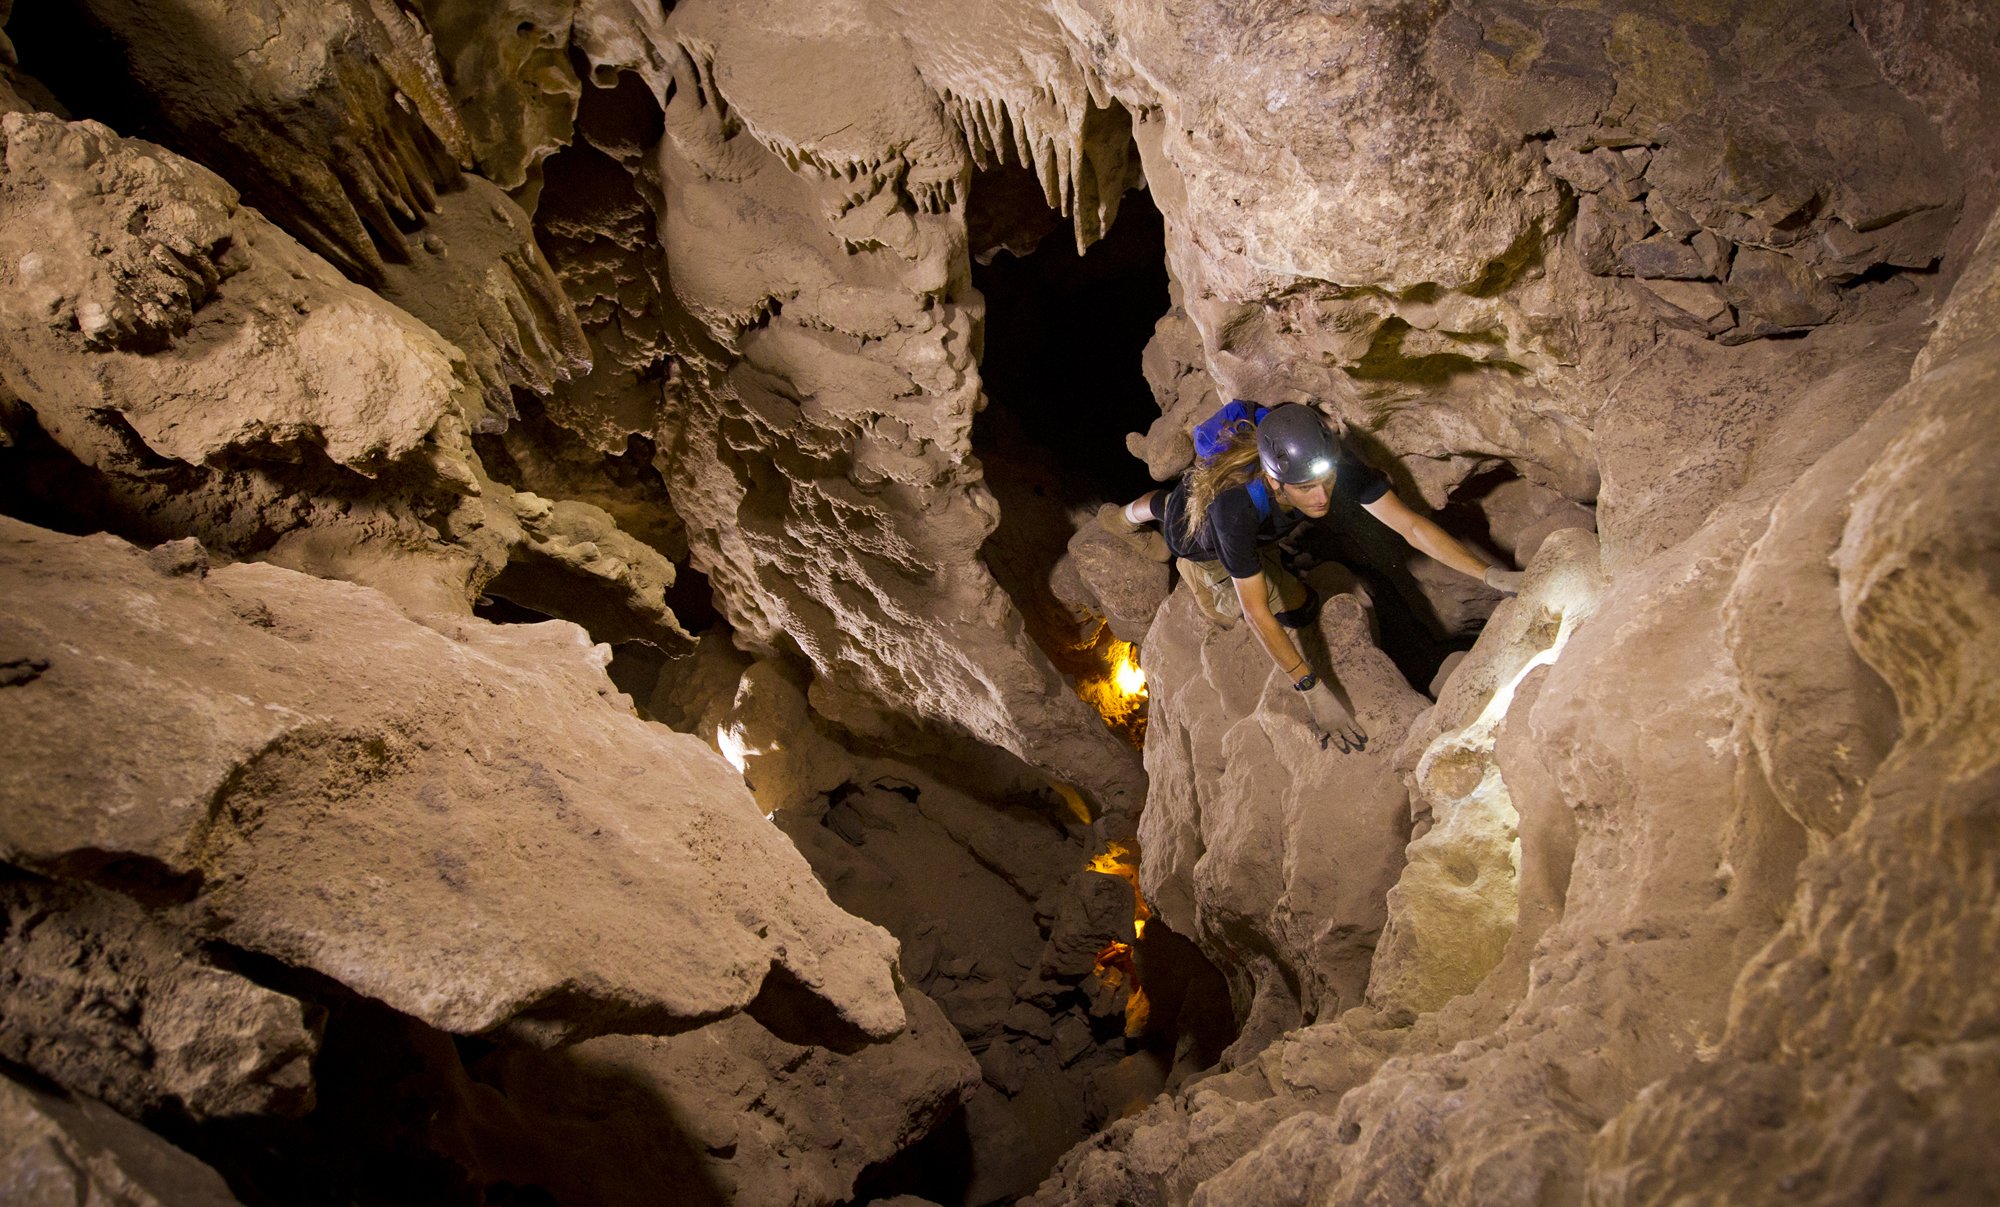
[(196, 372), (510, 77), (757, 1120), (478, 279), (1696, 1006), (137, 284), (1858, 1038), (58, 1149), (115, 1005), (824, 473), (1272, 854), (1697, 914), (349, 791), (333, 118)]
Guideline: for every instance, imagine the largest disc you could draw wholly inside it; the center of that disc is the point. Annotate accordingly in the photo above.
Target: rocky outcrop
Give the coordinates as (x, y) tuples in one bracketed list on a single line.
[(119, 1006), (986, 878), (482, 283), (1827, 1075), (333, 118), (55, 1148), (747, 1117), (1712, 925), (348, 801), (1667, 896), (823, 466), (1270, 852), (198, 373), (322, 780)]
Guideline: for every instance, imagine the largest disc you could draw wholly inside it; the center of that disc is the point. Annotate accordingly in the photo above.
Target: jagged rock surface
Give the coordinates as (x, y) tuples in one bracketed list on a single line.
[(1713, 914), (196, 372), (757, 1120), (56, 1149), (1536, 245), (823, 466), (119, 1006), (1242, 849), (333, 118), (988, 892), (325, 781)]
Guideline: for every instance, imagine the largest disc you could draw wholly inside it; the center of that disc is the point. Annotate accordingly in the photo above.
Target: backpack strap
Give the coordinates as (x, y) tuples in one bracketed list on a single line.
[(1260, 497)]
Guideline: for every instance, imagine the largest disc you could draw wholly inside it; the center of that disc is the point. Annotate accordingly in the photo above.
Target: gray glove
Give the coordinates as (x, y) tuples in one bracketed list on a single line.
[(1334, 723), (1500, 578)]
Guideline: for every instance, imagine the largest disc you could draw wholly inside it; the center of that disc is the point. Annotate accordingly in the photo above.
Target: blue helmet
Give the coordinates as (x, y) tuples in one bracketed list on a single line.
[(1294, 445)]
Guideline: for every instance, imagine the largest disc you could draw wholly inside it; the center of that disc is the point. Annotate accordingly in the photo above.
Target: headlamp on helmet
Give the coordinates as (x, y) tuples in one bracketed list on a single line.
[(1294, 445)]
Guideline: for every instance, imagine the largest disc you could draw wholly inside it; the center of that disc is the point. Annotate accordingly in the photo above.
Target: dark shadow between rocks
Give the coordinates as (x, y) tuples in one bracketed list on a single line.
[(1063, 337), (1407, 626), (937, 1168), (407, 1115), (787, 1008)]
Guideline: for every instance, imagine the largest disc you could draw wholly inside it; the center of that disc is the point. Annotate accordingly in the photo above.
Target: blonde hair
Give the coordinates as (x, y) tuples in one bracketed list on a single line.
[(1235, 465)]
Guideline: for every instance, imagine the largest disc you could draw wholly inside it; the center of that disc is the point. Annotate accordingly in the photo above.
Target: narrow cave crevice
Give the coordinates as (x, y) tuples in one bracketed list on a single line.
[(1063, 339)]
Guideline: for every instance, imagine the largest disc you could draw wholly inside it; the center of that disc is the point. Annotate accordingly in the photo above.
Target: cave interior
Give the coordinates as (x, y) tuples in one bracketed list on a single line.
[(564, 644)]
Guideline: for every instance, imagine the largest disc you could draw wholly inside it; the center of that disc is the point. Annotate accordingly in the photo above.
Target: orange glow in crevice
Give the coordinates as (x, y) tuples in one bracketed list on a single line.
[(1116, 963), (1122, 860), (1117, 690), (1115, 966)]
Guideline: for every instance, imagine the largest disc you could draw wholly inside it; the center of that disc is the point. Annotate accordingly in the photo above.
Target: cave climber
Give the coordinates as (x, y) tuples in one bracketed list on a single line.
[(1223, 519)]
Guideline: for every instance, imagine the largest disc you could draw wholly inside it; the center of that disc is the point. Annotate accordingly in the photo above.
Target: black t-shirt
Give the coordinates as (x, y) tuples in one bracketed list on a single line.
[(1232, 532)]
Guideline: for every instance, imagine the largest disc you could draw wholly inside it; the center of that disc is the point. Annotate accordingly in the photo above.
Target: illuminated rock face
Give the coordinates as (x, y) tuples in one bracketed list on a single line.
[(1675, 887)]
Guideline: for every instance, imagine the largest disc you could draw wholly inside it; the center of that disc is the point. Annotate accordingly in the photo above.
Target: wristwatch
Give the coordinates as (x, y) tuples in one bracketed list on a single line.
[(1305, 682)]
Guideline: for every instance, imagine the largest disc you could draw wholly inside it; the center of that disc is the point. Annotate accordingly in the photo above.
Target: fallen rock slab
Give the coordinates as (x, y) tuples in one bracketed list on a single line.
[(470, 825), (723, 1115)]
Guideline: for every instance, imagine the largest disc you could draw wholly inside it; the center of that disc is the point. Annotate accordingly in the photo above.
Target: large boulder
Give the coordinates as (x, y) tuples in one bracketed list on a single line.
[(334, 118), (1271, 853), (723, 1115), (318, 778), (1733, 935)]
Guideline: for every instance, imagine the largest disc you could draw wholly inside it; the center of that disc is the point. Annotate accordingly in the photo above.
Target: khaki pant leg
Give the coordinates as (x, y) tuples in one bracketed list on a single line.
[(1286, 592), (1214, 593)]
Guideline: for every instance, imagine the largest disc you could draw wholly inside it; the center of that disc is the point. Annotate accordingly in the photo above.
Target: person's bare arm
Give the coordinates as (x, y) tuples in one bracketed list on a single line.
[(1425, 536)]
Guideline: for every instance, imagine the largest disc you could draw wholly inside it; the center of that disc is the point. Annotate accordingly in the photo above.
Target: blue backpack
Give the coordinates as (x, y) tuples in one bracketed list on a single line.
[(1213, 434)]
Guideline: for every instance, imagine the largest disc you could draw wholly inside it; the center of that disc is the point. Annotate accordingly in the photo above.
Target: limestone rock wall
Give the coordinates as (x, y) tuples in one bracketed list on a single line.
[(548, 303), (63, 1147), (1638, 903), (284, 785)]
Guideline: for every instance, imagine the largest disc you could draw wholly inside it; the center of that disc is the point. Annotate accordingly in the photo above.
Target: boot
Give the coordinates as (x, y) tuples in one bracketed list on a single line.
[(1146, 541)]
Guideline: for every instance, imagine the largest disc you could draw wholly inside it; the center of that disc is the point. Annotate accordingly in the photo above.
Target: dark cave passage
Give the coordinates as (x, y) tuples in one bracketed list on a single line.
[(1064, 335)]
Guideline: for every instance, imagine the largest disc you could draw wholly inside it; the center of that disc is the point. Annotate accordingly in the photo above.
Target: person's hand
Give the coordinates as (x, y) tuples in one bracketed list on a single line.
[(1501, 579), (1334, 723)]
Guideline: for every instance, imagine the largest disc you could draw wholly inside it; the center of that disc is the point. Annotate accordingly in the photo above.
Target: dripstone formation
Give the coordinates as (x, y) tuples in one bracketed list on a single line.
[(536, 670)]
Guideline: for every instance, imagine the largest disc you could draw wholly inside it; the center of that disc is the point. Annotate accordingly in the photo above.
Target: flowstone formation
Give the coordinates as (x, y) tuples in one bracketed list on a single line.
[(523, 689)]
